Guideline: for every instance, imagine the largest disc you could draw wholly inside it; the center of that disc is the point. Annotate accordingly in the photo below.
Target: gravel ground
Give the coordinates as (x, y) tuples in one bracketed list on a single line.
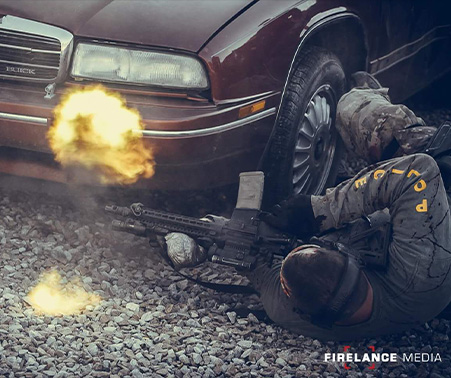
[(152, 322)]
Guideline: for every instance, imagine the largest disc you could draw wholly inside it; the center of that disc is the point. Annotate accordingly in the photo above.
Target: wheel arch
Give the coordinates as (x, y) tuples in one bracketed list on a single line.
[(317, 34), (327, 33), (352, 50)]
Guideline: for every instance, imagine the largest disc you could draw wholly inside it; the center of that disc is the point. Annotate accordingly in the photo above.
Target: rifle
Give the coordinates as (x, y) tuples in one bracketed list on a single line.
[(237, 242)]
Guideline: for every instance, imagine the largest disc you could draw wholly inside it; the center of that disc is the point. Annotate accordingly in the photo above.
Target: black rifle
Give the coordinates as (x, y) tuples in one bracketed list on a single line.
[(236, 242)]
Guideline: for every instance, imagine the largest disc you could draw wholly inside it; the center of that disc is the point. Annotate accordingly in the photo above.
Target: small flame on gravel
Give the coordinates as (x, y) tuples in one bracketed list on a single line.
[(53, 297), (93, 128)]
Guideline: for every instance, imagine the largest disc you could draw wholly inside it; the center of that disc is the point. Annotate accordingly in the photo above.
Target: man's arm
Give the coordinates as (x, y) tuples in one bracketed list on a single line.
[(410, 187)]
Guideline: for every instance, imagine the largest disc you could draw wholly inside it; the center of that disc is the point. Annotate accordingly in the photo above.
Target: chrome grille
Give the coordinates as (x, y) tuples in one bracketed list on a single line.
[(32, 51)]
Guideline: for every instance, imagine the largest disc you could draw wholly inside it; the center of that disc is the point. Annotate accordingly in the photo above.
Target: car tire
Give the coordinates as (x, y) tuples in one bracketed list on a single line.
[(304, 150)]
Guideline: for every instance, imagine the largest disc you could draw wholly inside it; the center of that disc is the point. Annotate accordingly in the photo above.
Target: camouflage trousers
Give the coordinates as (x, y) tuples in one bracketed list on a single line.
[(375, 129)]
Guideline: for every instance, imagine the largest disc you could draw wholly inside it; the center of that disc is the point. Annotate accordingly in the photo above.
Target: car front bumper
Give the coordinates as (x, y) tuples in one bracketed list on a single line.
[(196, 144)]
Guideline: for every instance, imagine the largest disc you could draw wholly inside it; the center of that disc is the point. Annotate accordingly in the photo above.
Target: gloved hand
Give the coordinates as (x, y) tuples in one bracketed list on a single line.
[(294, 215), (183, 251)]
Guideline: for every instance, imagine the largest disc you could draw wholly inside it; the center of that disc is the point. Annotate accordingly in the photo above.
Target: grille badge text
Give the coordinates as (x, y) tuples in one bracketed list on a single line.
[(27, 71)]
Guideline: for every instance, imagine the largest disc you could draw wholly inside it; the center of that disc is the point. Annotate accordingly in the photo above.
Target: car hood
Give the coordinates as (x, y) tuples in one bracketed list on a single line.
[(179, 24)]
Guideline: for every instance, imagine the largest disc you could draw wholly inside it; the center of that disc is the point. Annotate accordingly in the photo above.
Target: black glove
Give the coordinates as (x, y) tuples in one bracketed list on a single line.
[(294, 215)]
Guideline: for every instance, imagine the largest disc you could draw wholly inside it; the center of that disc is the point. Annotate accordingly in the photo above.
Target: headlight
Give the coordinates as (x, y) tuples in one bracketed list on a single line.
[(118, 64)]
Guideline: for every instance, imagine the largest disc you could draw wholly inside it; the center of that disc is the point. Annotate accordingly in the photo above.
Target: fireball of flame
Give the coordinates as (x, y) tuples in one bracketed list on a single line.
[(93, 128), (51, 297)]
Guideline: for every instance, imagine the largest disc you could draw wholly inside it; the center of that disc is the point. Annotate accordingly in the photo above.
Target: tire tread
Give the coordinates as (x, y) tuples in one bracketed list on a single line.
[(277, 162)]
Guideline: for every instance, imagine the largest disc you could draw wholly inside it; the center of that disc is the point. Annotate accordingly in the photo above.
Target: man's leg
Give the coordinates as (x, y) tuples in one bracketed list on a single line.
[(375, 129)]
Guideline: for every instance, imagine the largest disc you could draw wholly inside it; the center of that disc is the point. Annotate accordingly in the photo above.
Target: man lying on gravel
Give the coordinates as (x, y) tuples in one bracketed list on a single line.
[(324, 289)]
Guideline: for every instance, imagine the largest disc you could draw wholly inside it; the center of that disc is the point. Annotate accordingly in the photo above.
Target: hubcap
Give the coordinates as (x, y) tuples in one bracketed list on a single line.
[(315, 144)]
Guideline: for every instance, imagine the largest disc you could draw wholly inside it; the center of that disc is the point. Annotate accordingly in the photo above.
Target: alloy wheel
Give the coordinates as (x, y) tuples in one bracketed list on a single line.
[(315, 145)]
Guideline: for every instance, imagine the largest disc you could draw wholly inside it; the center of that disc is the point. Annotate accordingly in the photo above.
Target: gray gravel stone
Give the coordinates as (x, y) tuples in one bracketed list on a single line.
[(132, 307), (246, 353), (146, 317), (232, 317), (184, 359), (197, 358), (93, 349), (245, 343), (137, 374)]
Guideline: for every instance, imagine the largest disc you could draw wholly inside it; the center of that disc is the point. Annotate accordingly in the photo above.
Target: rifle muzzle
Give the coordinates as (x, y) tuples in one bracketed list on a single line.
[(123, 211)]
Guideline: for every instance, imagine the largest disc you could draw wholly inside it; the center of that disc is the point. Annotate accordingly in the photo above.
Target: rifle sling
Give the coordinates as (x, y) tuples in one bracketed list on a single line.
[(223, 288), (241, 312)]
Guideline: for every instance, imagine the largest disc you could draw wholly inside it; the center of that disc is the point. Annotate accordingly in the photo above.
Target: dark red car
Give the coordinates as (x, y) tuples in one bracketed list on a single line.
[(221, 85)]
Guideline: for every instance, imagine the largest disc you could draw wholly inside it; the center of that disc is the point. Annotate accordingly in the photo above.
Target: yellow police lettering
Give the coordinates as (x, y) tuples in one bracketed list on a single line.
[(379, 174), (397, 171), (413, 172), (420, 185), (360, 182), (422, 207)]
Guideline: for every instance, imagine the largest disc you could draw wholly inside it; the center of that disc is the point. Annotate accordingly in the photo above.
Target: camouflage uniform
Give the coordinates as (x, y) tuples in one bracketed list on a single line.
[(375, 130), (417, 283)]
